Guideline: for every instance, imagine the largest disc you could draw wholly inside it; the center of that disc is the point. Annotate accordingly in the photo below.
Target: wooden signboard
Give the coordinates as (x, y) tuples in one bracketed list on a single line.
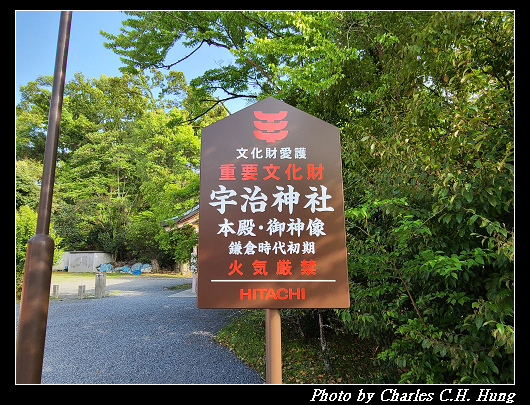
[(271, 211)]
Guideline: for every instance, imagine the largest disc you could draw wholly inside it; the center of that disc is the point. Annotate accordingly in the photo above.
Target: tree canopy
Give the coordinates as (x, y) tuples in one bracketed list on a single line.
[(126, 162)]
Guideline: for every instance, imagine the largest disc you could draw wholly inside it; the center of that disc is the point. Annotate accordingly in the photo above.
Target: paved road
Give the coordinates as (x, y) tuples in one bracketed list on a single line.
[(141, 333)]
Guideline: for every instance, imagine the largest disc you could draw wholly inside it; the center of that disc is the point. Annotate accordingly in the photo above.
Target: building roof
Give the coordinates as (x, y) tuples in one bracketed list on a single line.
[(190, 217)]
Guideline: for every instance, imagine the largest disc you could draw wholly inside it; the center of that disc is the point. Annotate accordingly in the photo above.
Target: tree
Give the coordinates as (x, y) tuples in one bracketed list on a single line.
[(32, 118), (144, 42), (432, 240), (127, 160)]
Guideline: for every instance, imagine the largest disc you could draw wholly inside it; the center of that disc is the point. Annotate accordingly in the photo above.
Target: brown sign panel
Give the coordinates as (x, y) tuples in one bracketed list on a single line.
[(271, 211)]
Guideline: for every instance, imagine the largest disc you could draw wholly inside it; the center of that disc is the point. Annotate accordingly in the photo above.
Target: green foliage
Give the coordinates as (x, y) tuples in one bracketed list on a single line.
[(28, 175), (431, 241), (26, 225), (141, 234), (127, 160)]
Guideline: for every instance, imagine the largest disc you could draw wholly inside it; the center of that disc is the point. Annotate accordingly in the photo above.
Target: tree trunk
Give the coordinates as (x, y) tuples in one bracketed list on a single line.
[(324, 343)]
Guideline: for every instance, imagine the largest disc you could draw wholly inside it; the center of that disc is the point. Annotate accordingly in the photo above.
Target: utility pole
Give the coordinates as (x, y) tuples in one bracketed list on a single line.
[(33, 315)]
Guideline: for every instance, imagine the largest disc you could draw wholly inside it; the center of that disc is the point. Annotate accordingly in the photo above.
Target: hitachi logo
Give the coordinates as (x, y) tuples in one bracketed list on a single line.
[(272, 294)]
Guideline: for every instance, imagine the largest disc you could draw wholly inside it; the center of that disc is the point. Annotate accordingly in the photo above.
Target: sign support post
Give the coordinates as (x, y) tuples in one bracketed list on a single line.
[(273, 342), (33, 314)]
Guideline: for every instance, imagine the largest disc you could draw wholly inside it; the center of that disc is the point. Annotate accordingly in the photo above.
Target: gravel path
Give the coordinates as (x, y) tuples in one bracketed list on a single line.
[(140, 333)]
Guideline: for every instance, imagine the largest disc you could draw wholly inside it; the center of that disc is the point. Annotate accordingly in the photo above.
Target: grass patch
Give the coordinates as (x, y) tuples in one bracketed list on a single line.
[(352, 359), (186, 286)]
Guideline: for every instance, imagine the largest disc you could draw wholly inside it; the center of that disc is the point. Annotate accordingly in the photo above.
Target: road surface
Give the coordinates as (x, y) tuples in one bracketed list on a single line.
[(141, 333)]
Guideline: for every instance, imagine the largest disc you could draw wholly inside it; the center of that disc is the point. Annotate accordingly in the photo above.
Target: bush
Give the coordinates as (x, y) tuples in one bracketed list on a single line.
[(26, 225)]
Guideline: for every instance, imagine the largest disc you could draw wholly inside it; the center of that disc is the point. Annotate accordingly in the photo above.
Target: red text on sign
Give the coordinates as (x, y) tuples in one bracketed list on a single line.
[(272, 294)]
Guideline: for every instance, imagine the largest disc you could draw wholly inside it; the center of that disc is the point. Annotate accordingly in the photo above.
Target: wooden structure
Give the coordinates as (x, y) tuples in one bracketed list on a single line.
[(190, 217)]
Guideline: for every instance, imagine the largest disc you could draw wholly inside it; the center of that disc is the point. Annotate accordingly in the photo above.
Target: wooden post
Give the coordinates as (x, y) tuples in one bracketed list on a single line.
[(194, 270), (273, 342), (101, 281)]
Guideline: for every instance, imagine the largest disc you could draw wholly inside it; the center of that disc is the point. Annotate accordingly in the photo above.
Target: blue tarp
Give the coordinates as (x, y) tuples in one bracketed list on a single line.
[(135, 269), (103, 268), (136, 266)]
